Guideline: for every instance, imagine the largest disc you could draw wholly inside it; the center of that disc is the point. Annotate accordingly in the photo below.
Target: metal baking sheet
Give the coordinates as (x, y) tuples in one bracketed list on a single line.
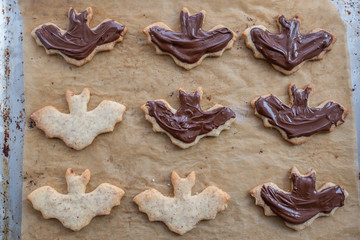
[(12, 104), (12, 119)]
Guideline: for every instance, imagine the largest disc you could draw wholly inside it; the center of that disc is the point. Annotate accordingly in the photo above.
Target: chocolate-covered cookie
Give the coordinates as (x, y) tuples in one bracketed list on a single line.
[(288, 50), (192, 45)]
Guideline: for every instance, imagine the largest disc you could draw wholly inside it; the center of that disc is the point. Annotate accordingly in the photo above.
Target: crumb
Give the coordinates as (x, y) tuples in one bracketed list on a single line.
[(32, 124), (31, 182), (261, 151)]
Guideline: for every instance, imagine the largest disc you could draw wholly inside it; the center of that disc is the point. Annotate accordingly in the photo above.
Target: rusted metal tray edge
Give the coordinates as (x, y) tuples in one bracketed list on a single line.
[(12, 119)]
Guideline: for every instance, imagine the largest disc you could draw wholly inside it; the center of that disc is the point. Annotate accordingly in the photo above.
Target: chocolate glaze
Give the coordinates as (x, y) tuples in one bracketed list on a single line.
[(290, 48), (192, 42), (189, 121), (299, 119), (303, 202), (79, 41)]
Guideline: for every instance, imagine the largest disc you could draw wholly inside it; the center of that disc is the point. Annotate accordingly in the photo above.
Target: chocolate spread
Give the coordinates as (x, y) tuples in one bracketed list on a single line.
[(192, 42), (79, 41), (303, 202), (290, 48), (189, 121), (299, 119)]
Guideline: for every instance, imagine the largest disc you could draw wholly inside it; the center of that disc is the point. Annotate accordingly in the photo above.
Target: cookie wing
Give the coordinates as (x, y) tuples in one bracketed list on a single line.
[(105, 116), (152, 202), (50, 120), (56, 205), (213, 201), (103, 199)]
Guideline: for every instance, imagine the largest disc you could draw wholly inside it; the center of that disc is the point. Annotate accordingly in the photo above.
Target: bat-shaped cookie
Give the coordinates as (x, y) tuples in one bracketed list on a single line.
[(298, 122), (79, 128), (76, 209), (79, 43), (183, 211), (192, 45), (303, 204), (288, 50), (187, 125)]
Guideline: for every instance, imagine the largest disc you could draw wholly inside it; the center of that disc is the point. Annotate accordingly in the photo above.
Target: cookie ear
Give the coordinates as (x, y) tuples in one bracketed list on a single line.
[(85, 176), (78, 103), (298, 17), (204, 14), (200, 91), (77, 183), (309, 88), (90, 14), (68, 95), (69, 172), (191, 177), (185, 10), (295, 171), (181, 92), (69, 12), (174, 177), (86, 93)]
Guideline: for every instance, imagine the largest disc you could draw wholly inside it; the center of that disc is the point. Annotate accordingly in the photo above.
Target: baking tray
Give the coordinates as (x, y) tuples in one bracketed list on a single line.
[(12, 105), (12, 111)]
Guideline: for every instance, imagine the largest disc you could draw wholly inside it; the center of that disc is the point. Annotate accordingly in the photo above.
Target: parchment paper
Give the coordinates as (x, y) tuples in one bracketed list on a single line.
[(135, 158)]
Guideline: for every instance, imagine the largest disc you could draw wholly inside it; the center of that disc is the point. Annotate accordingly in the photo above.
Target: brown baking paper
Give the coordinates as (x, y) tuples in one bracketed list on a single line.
[(135, 158)]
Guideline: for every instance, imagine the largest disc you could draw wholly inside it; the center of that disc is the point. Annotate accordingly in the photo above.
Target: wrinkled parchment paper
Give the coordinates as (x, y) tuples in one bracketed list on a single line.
[(135, 158)]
